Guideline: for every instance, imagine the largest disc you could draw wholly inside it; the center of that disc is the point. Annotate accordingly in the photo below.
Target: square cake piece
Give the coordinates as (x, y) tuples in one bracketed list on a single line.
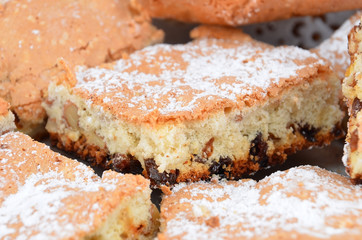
[(352, 90), (34, 34), (44, 195), (6, 117), (301, 203), (221, 104)]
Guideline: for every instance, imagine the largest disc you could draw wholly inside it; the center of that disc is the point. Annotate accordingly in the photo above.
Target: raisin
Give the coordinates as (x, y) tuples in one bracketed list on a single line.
[(220, 166), (354, 141), (158, 178), (198, 159), (257, 152), (356, 107), (309, 132), (338, 131), (124, 163)]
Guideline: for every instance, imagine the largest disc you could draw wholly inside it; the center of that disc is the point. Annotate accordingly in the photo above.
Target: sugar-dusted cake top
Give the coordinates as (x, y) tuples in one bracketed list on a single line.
[(44, 195), (226, 69), (335, 48), (34, 34), (304, 202)]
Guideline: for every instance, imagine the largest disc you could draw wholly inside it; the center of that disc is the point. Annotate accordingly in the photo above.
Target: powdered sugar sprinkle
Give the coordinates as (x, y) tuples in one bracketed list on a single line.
[(174, 78), (35, 195), (301, 201)]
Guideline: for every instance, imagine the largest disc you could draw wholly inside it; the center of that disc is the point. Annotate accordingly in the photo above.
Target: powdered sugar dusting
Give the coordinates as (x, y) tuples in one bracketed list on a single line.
[(39, 191), (171, 79), (335, 49), (305, 200)]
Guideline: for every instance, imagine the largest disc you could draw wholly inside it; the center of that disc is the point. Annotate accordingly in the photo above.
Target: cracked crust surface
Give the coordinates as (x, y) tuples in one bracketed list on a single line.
[(34, 34), (222, 69), (240, 12), (44, 195), (301, 203)]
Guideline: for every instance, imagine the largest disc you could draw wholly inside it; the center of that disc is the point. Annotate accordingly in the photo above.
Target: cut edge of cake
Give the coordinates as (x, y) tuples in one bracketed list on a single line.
[(352, 91), (228, 141)]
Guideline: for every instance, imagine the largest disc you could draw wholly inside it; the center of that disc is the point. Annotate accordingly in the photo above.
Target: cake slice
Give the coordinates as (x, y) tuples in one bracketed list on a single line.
[(44, 195), (236, 12), (6, 117), (335, 48), (352, 90), (221, 104), (34, 34), (301, 203)]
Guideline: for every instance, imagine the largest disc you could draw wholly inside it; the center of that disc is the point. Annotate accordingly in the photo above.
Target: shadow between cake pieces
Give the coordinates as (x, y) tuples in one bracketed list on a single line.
[(222, 104), (44, 195)]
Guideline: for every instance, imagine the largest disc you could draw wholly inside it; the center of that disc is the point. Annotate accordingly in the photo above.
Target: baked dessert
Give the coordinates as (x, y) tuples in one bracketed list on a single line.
[(221, 104), (301, 203), (233, 12), (335, 48), (44, 195), (353, 93), (6, 117), (34, 34)]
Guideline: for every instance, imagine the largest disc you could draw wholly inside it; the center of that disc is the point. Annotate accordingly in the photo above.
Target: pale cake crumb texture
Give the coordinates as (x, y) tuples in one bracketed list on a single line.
[(352, 91), (166, 102), (302, 203), (44, 195)]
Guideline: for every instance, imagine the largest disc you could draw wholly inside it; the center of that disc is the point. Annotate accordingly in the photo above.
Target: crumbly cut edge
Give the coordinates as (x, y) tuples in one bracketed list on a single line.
[(352, 91), (231, 143), (135, 217)]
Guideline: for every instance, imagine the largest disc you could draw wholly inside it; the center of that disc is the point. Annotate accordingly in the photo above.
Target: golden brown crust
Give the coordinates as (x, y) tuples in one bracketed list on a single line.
[(252, 78), (70, 194), (236, 12), (300, 203), (4, 107), (196, 170), (83, 32)]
